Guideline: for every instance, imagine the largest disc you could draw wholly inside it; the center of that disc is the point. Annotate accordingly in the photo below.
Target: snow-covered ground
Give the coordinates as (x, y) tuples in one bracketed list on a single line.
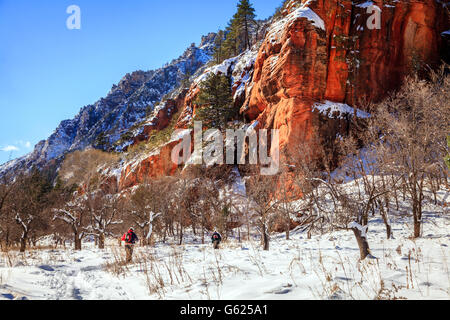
[(324, 267)]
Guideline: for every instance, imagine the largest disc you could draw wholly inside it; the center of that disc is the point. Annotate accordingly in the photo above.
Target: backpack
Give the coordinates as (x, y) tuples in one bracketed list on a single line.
[(129, 237)]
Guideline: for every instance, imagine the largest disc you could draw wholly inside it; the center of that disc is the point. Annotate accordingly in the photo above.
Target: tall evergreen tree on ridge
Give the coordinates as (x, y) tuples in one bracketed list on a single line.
[(219, 50), (238, 31), (231, 43), (245, 18)]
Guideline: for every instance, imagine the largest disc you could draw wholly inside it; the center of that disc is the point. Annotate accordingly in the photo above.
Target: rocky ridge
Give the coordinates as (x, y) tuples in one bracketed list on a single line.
[(103, 124)]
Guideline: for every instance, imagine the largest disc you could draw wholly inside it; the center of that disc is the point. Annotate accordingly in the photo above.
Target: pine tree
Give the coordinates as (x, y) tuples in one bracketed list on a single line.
[(215, 101), (245, 19), (231, 43), (238, 31), (218, 43)]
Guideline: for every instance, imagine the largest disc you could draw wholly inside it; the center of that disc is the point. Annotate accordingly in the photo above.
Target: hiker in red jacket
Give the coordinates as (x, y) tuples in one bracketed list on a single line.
[(130, 239)]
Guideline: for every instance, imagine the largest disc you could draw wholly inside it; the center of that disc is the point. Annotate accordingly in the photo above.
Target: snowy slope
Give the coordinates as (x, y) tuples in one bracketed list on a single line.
[(324, 267)]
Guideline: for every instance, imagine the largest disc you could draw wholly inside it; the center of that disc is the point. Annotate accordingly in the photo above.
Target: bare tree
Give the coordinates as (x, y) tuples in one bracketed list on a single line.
[(146, 205), (179, 190), (413, 125), (106, 209), (206, 192), (75, 215), (309, 162), (261, 191), (287, 193), (343, 199), (86, 170), (213, 201), (29, 200), (343, 209), (6, 188)]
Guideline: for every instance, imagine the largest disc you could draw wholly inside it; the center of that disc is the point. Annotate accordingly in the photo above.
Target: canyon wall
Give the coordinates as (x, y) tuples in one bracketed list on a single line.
[(323, 50), (316, 55)]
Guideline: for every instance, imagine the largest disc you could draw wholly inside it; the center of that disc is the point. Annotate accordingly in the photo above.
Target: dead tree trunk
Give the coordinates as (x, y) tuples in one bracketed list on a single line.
[(385, 215), (417, 216), (265, 237), (23, 242), (360, 229), (363, 245), (288, 226), (181, 235), (101, 241), (77, 241)]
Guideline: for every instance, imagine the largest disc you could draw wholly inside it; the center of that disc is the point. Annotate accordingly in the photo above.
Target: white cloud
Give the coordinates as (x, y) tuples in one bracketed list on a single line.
[(9, 148), (16, 146)]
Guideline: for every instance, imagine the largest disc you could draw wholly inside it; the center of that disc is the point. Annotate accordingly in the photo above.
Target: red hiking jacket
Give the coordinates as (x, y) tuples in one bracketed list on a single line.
[(131, 239)]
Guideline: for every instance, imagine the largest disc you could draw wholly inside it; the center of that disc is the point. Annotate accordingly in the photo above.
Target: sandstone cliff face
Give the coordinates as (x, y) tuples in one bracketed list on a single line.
[(323, 50), (316, 63), (155, 165)]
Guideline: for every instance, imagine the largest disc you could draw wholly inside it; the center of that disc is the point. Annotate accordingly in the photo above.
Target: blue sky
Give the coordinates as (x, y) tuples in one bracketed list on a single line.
[(48, 72)]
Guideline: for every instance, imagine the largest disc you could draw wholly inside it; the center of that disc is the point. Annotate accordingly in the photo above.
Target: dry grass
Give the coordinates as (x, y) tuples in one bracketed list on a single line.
[(345, 279), (158, 273)]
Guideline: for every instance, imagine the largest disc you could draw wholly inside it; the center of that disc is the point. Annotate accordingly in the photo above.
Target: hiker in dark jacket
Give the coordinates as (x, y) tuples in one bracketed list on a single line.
[(216, 238), (130, 239)]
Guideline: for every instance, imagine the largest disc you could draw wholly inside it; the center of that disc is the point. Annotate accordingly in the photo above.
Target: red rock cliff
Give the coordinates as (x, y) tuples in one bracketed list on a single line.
[(319, 50), (323, 50)]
